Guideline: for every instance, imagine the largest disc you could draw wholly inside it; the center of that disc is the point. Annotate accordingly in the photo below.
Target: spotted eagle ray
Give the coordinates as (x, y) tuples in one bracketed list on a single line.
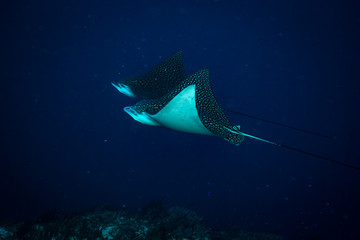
[(190, 106), (167, 75)]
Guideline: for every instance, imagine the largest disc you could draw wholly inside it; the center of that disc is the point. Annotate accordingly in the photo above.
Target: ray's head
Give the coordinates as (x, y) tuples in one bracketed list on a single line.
[(140, 116), (123, 88)]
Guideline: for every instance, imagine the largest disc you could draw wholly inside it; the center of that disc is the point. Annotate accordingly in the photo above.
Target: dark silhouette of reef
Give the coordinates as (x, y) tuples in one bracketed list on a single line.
[(151, 222)]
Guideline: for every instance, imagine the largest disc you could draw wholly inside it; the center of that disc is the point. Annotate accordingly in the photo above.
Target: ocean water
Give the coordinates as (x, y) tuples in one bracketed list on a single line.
[(66, 142)]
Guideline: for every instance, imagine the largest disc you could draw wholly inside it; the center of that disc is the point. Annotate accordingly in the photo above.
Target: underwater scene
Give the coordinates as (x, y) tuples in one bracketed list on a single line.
[(180, 120)]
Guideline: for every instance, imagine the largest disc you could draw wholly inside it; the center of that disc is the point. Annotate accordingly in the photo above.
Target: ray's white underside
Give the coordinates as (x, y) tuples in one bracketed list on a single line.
[(179, 114)]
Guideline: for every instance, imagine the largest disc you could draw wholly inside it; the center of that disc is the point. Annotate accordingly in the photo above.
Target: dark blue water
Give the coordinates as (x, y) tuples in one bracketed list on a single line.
[(67, 144)]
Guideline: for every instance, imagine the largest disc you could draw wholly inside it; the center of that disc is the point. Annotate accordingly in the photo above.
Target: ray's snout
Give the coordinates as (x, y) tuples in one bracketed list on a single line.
[(124, 89), (141, 117)]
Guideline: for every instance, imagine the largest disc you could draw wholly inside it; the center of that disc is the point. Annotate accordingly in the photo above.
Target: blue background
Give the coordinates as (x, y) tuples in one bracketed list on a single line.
[(66, 142)]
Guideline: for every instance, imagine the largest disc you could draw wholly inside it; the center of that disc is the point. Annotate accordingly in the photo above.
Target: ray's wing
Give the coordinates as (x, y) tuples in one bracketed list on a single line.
[(158, 81)]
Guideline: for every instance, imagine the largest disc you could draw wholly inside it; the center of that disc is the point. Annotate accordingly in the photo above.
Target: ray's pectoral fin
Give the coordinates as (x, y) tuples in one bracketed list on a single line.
[(157, 81)]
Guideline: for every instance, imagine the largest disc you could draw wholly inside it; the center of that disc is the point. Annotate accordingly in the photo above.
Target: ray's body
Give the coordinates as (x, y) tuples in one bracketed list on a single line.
[(187, 104)]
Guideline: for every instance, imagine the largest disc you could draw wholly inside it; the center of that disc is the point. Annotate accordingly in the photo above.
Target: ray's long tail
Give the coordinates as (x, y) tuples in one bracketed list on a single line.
[(281, 124), (296, 149)]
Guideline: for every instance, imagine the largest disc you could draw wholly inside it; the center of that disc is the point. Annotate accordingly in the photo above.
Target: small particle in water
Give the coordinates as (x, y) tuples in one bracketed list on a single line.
[(209, 194), (267, 185), (258, 188), (87, 172), (286, 198), (309, 186)]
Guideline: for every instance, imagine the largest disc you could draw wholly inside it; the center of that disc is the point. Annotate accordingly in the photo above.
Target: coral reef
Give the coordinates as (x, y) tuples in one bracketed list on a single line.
[(151, 222)]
